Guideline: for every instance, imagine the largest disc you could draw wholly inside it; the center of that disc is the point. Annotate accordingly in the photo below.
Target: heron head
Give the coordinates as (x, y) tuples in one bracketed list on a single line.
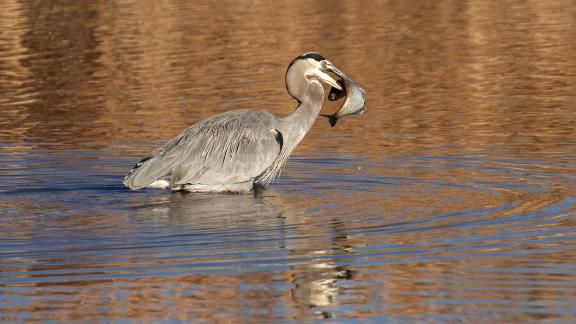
[(307, 68)]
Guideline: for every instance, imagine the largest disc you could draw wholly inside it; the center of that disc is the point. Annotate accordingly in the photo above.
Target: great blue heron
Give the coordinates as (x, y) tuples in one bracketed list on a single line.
[(238, 149)]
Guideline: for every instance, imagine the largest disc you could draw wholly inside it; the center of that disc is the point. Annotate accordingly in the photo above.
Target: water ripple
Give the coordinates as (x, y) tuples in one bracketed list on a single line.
[(452, 200)]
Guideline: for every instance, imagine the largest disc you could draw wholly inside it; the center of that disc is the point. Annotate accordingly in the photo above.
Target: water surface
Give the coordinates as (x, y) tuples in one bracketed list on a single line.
[(452, 200)]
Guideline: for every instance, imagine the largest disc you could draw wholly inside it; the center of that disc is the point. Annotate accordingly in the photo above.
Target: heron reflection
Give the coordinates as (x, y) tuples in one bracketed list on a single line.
[(254, 231)]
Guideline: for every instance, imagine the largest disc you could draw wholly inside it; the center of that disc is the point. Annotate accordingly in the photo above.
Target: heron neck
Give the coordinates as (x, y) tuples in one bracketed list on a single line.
[(299, 121)]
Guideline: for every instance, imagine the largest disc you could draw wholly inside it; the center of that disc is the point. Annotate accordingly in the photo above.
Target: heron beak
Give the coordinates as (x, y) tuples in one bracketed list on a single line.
[(326, 78), (330, 67)]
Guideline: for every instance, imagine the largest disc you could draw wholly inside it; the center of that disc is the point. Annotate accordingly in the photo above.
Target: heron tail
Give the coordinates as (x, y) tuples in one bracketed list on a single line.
[(146, 172)]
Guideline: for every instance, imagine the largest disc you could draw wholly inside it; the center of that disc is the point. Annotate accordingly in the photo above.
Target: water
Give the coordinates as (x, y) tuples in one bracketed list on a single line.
[(453, 199)]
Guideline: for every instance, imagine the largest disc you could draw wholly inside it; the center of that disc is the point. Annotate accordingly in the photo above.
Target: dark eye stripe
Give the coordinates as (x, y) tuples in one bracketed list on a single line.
[(314, 56)]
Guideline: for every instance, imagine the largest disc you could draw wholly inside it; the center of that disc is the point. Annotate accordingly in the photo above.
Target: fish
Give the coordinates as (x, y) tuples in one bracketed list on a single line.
[(336, 94), (355, 98)]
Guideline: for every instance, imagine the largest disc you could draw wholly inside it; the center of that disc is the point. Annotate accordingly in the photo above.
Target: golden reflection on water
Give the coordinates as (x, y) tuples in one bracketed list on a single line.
[(490, 81)]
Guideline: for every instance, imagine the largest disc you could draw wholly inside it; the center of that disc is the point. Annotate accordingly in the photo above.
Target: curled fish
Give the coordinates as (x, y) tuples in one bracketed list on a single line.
[(355, 98)]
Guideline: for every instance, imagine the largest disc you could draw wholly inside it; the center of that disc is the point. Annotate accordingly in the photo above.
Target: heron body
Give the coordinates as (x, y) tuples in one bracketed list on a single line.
[(238, 149)]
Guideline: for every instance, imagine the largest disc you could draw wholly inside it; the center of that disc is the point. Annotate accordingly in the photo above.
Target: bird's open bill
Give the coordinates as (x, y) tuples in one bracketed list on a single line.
[(330, 67), (326, 78)]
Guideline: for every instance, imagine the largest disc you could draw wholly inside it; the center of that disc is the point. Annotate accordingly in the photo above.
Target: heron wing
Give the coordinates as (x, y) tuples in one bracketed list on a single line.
[(232, 147)]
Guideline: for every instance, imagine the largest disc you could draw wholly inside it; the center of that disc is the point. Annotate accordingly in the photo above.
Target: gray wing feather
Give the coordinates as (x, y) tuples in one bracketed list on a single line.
[(232, 147)]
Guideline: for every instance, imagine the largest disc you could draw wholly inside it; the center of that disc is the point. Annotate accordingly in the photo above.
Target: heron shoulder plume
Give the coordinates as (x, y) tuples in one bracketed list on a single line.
[(215, 142)]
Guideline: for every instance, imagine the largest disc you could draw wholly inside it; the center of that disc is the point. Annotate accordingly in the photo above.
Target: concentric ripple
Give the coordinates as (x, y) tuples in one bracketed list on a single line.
[(332, 230)]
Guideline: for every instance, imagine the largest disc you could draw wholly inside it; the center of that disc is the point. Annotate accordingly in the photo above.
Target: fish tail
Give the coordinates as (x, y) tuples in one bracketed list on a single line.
[(331, 119)]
